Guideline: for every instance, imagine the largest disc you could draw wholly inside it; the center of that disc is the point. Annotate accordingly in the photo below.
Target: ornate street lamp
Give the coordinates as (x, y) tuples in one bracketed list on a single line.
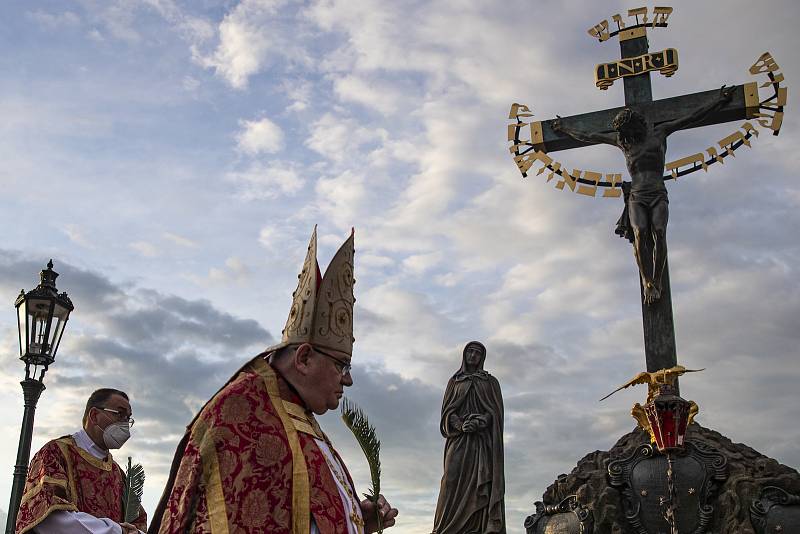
[(42, 314), (668, 415)]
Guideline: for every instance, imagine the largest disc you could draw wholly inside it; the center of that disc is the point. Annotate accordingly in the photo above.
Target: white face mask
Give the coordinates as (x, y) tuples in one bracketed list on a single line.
[(116, 434)]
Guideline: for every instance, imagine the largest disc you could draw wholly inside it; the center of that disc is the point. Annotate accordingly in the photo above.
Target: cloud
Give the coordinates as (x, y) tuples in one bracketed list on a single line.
[(248, 36), (265, 181), (75, 234), (339, 138), (145, 248), (54, 20), (373, 93), (179, 240), (419, 263), (259, 137), (341, 197), (235, 270)]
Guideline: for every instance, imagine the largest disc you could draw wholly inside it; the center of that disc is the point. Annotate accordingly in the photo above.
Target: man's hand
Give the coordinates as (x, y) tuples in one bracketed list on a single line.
[(726, 93), (127, 528), (386, 513), (469, 426)]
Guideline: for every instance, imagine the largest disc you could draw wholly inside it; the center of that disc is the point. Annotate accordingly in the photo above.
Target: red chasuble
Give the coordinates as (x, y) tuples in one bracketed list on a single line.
[(62, 476), (249, 464)]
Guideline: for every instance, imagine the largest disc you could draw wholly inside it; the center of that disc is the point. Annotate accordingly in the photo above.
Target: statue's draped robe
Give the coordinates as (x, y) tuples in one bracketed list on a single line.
[(63, 476), (243, 467), (473, 485)]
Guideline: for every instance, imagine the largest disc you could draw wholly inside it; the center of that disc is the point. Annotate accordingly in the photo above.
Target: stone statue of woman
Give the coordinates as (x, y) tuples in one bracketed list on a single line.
[(473, 484)]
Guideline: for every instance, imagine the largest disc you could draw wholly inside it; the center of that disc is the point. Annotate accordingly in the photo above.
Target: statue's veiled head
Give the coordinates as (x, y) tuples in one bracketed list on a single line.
[(473, 357), (630, 124)]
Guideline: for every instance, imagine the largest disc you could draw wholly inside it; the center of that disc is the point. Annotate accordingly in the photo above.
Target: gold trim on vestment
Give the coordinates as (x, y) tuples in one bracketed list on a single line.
[(68, 507), (73, 490), (215, 496), (104, 464), (303, 420), (301, 493), (31, 493)]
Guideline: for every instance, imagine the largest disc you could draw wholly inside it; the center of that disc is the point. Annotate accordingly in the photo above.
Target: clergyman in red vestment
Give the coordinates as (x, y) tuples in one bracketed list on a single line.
[(254, 459), (74, 486)]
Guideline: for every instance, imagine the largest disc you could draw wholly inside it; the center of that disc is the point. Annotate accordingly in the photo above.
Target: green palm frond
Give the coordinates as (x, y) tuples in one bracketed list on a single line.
[(359, 425), (132, 492)]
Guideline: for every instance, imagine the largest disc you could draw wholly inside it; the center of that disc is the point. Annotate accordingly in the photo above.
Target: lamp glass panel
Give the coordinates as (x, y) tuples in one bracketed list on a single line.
[(55, 326), (39, 316), (56, 329), (22, 327), (60, 311)]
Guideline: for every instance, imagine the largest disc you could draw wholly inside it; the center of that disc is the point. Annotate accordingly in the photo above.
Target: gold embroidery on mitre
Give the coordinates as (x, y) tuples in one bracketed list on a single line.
[(333, 317), (300, 322), (323, 314)]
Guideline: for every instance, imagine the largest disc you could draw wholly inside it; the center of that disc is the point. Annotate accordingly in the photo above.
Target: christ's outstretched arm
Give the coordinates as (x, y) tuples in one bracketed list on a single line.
[(725, 95), (586, 137)]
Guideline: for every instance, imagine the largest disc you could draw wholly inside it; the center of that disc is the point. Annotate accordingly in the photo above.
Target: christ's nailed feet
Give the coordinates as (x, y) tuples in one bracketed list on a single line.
[(651, 293)]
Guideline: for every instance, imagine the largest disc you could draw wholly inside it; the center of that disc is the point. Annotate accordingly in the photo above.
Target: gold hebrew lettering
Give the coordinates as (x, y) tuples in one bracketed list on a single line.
[(775, 124), (569, 179), (555, 169), (661, 14), (600, 31), (590, 190), (513, 130), (525, 162), (638, 11), (613, 191), (545, 159), (694, 159), (780, 99), (776, 78), (618, 19), (519, 110), (712, 153), (749, 129), (727, 142), (524, 144), (765, 63), (782, 95)]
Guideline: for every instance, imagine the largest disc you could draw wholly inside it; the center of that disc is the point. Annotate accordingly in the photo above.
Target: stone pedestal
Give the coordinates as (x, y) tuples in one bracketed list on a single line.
[(735, 500)]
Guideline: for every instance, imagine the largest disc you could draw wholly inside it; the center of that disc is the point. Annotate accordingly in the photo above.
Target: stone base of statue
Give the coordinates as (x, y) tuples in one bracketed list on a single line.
[(715, 485)]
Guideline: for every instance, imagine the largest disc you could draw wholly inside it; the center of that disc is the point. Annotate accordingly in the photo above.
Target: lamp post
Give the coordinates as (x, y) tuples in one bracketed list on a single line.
[(42, 314), (668, 415)]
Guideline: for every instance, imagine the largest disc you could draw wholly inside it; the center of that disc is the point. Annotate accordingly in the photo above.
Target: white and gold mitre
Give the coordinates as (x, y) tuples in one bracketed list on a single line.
[(322, 306)]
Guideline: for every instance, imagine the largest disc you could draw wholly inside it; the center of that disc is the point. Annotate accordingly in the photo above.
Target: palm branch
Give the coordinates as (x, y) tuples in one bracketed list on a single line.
[(132, 492), (359, 425)]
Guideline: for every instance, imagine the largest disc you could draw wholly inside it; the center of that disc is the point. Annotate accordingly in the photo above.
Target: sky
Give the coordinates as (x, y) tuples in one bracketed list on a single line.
[(172, 158)]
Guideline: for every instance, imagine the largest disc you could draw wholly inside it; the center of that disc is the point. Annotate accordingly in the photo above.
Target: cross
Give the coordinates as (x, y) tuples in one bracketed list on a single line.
[(662, 117)]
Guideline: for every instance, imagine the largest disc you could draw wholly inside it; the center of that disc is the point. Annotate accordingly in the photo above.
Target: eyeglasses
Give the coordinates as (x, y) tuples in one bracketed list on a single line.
[(342, 367), (121, 416)]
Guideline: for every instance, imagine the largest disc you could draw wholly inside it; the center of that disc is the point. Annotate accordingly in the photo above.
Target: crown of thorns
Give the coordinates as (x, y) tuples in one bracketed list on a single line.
[(626, 116)]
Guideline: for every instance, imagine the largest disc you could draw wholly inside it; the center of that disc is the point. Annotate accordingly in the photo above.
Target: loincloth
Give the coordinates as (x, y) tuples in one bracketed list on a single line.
[(647, 198)]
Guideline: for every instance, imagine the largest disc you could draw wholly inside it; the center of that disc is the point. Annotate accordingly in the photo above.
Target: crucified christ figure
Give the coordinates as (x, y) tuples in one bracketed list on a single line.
[(645, 145)]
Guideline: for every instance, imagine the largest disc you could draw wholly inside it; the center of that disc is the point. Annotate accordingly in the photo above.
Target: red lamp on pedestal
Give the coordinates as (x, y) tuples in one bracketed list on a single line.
[(668, 415)]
